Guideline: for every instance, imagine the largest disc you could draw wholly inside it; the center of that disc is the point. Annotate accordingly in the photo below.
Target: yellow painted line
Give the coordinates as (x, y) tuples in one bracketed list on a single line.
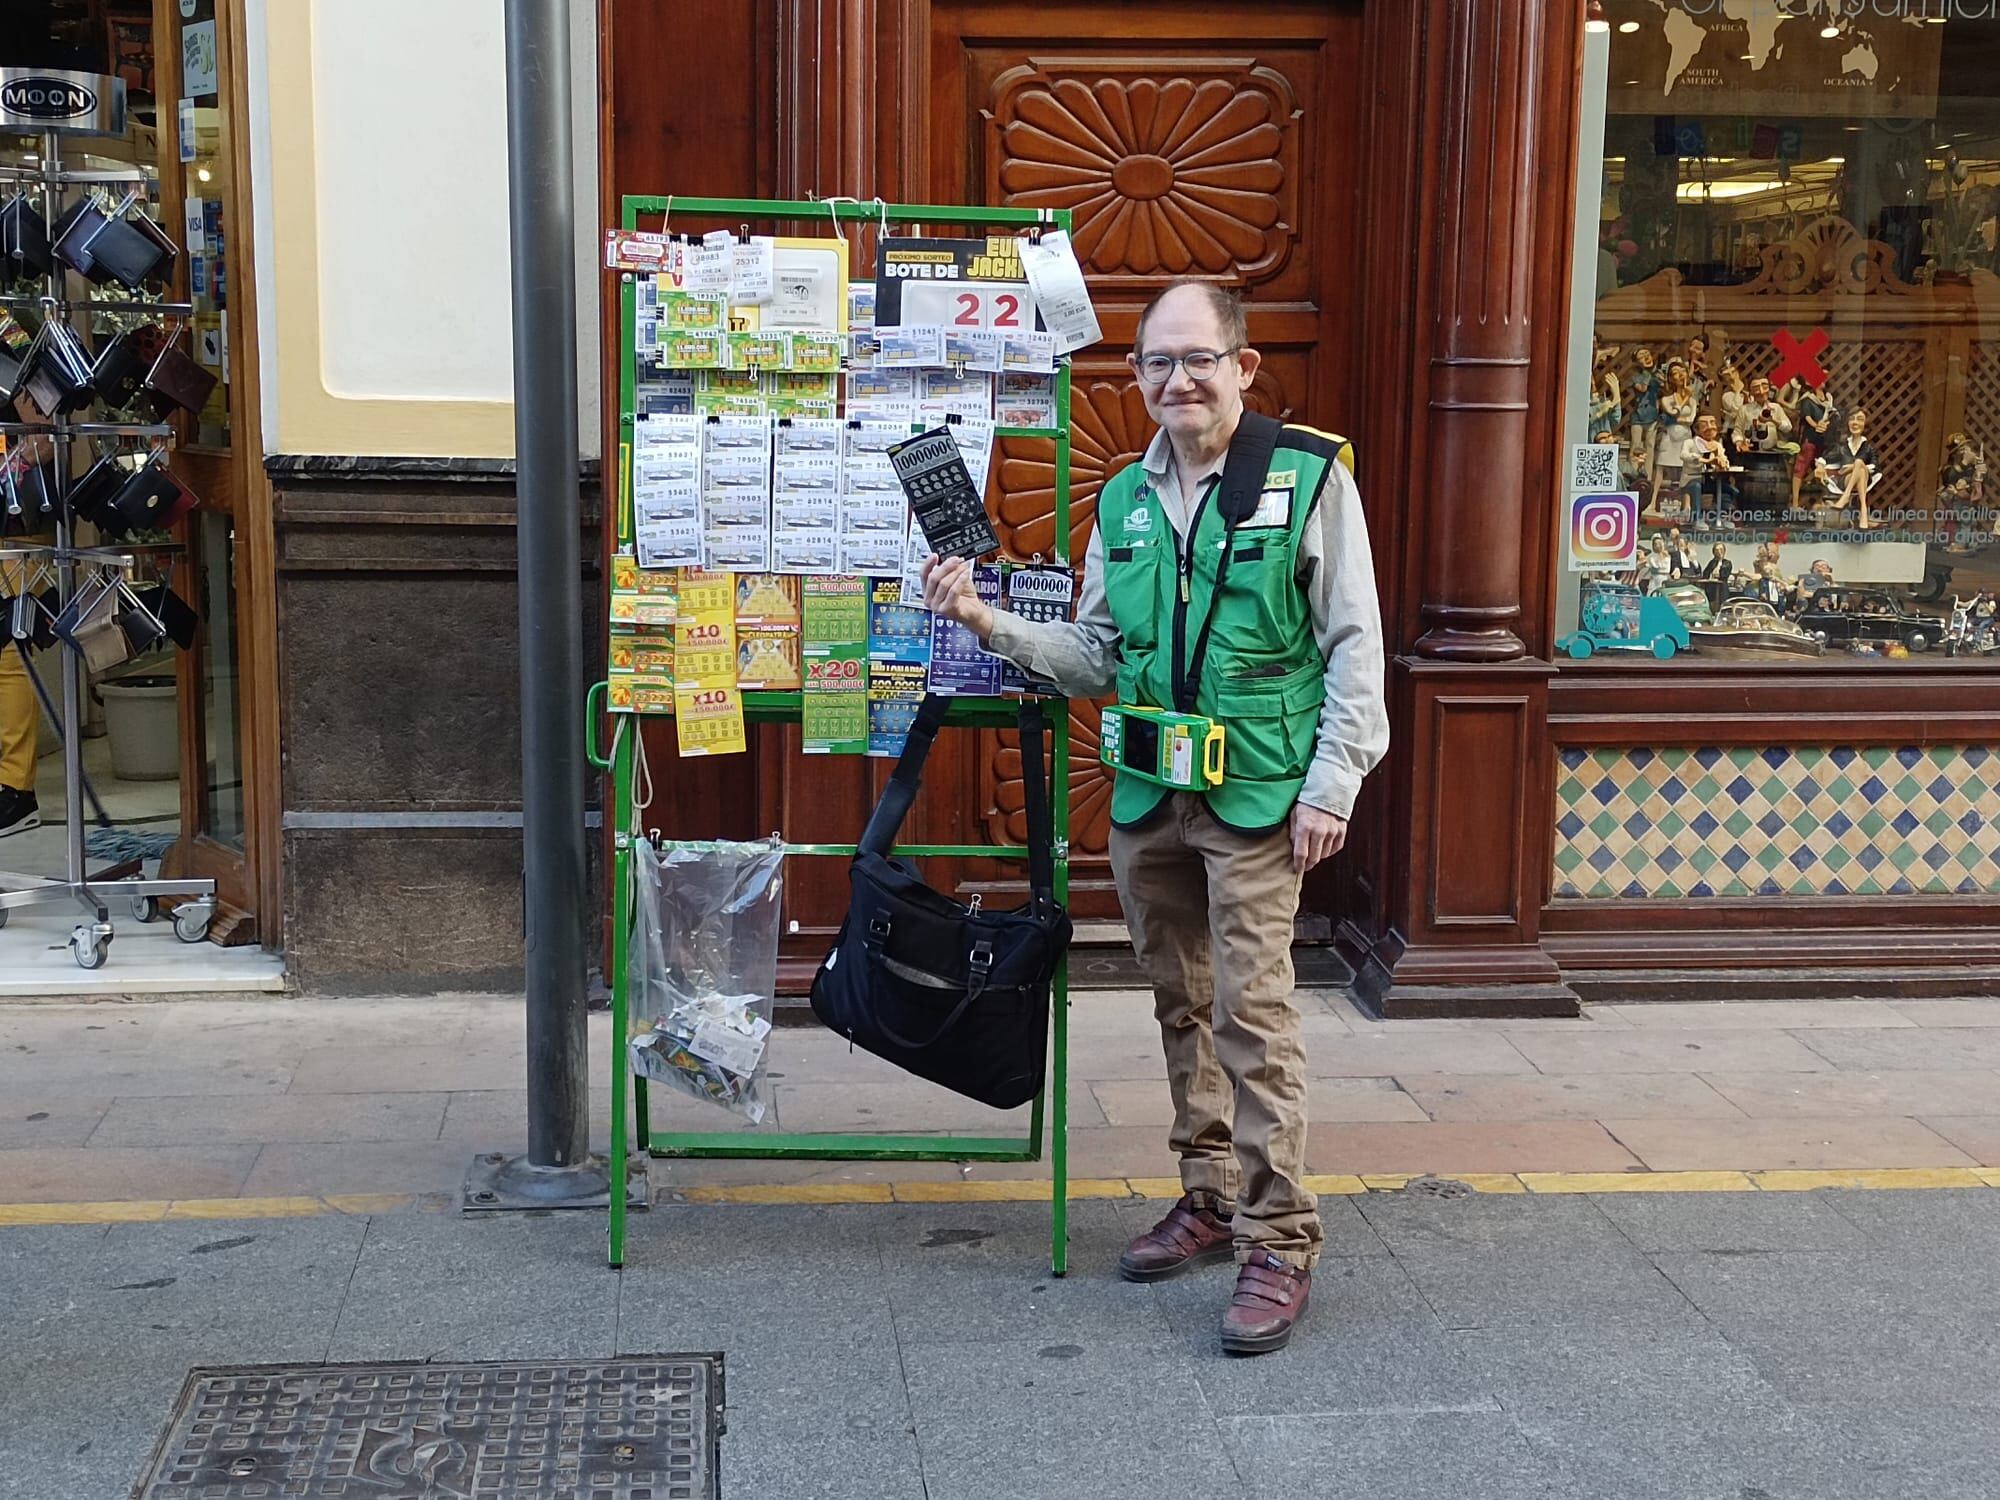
[(1479, 1182), (1636, 1182), (793, 1192), (82, 1213), (140, 1211), (1871, 1177)]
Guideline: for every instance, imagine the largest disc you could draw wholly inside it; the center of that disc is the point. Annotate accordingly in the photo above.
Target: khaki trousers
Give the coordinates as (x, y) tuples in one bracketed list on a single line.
[(1211, 914), (20, 711)]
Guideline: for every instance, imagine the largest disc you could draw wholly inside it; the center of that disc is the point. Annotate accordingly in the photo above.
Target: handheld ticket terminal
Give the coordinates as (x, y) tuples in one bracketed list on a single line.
[(1181, 751)]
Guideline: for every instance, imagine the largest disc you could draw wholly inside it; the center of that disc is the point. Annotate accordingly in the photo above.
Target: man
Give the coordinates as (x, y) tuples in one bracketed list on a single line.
[(1685, 564), (1760, 423), (1815, 585), (1816, 414), (20, 712), (1210, 881), (1705, 463)]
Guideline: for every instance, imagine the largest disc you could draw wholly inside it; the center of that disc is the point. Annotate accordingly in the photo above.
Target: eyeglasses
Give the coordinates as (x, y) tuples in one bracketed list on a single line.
[(1200, 364)]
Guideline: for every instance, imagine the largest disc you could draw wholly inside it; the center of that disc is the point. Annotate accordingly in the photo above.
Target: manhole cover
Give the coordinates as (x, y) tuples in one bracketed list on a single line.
[(641, 1428)]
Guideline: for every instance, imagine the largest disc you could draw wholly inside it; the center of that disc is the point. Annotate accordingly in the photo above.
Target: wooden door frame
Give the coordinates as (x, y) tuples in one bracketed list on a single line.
[(248, 886)]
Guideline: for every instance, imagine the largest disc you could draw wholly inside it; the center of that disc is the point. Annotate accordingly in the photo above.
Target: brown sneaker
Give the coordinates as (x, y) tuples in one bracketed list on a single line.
[(1192, 1234), (1269, 1300)]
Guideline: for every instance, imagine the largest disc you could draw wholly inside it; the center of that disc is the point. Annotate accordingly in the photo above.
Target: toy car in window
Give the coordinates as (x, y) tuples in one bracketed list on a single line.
[(1616, 617), (1690, 601), (1750, 628), (1843, 617)]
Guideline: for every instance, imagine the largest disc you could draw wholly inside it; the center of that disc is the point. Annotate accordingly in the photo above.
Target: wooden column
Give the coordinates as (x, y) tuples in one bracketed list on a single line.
[(1488, 93), (1481, 153)]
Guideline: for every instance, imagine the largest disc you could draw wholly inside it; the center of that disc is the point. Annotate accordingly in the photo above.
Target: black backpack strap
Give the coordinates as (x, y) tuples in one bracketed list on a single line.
[(1035, 799), (1243, 474), (880, 835)]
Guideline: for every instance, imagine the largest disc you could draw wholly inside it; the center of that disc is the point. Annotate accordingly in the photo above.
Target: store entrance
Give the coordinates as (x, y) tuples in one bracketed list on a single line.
[(160, 787)]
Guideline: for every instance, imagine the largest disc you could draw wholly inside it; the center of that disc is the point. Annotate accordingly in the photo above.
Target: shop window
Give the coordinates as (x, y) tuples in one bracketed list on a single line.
[(1785, 335)]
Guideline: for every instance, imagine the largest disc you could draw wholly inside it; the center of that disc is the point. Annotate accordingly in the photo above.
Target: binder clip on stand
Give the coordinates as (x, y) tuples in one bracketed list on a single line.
[(95, 606)]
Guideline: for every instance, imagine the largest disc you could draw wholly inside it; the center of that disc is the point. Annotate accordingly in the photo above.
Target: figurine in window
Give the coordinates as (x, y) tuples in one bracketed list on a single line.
[(1815, 586), (1680, 552), (1770, 587), (1706, 465), (1815, 423), (1718, 568), (1605, 406), (1677, 413), (1761, 424), (1731, 402), (1695, 356), (1643, 406), (1656, 566), (1851, 467)]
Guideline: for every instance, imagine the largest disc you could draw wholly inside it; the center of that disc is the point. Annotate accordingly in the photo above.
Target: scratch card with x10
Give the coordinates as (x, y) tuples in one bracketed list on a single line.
[(948, 507)]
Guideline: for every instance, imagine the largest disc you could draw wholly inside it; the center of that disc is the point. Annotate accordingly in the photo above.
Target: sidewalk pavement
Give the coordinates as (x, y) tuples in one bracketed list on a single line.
[(1730, 1346), (272, 1098), (1536, 1329)]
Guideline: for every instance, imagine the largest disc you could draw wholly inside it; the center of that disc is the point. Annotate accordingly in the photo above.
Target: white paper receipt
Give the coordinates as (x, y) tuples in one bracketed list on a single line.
[(1060, 295), (724, 1043)]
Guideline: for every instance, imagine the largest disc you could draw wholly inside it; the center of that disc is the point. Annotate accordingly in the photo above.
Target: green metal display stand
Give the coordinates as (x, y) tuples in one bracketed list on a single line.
[(628, 1089)]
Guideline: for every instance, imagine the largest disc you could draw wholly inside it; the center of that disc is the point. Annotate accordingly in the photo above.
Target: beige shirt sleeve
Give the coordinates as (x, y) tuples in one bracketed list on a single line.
[(1337, 569), (1080, 657)]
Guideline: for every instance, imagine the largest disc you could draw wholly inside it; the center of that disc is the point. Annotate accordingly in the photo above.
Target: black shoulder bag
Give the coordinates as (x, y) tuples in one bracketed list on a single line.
[(944, 990)]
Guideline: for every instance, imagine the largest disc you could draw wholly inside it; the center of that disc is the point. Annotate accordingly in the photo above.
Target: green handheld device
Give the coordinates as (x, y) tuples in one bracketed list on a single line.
[(1182, 751)]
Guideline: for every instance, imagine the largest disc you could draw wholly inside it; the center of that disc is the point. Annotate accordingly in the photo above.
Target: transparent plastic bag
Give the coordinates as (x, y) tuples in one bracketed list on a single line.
[(704, 966)]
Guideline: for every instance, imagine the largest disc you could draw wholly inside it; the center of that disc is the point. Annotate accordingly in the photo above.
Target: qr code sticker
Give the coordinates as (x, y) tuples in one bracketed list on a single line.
[(1593, 466)]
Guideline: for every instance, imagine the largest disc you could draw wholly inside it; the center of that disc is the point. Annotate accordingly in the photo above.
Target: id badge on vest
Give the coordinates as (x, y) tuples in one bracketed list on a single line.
[(1274, 502)]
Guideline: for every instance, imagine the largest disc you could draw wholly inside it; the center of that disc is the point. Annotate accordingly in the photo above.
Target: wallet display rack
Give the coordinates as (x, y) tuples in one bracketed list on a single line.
[(1050, 1107), (76, 567)]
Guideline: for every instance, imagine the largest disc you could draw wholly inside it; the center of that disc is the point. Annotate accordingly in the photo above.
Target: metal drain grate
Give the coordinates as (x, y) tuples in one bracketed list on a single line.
[(640, 1428)]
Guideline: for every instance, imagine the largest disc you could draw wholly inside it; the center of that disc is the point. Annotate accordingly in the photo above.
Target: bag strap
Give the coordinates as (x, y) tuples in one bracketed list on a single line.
[(1243, 471), (879, 837)]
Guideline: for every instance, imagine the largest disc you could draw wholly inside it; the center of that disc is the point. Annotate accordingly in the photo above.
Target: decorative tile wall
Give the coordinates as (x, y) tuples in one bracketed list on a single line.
[(1819, 821)]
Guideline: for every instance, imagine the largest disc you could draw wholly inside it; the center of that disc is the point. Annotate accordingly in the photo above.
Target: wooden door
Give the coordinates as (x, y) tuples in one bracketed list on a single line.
[(224, 697), (1209, 140)]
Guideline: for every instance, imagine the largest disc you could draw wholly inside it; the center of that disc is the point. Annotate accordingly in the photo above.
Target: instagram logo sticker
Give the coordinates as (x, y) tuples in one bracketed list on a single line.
[(1603, 531)]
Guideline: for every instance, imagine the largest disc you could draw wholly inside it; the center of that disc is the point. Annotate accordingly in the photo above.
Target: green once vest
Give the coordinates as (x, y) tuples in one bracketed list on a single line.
[(1264, 675)]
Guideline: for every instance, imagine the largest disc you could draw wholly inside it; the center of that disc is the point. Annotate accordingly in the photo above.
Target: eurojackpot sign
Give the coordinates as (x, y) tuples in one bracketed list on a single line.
[(33, 100)]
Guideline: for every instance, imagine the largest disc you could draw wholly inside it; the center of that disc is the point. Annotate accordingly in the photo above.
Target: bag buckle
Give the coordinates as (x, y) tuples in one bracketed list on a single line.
[(878, 927)]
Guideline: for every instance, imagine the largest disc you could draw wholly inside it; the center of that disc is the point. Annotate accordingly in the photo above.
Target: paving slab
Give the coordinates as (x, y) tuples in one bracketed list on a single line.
[(1382, 1053), (78, 1174), (425, 1166), (1515, 1146), (36, 1122), (1971, 1012), (1978, 1136), (181, 1067), (282, 1118), (1937, 1222), (1083, 1420), (1915, 1091), (1792, 1142), (438, 1286), (1923, 1047), (1327, 1100), (1435, 1456), (1760, 1015), (419, 1069), (1847, 1327), (1568, 1096), (1633, 1050), (1739, 1222)]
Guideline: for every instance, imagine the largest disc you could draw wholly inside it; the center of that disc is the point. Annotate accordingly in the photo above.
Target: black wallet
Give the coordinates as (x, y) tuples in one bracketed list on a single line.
[(24, 239)]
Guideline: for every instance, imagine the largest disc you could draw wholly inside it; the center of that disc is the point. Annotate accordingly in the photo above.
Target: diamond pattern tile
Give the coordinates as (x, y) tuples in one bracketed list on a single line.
[(1871, 821)]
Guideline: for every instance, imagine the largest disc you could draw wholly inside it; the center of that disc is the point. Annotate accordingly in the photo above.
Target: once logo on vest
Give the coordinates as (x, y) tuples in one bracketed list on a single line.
[(1139, 518)]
